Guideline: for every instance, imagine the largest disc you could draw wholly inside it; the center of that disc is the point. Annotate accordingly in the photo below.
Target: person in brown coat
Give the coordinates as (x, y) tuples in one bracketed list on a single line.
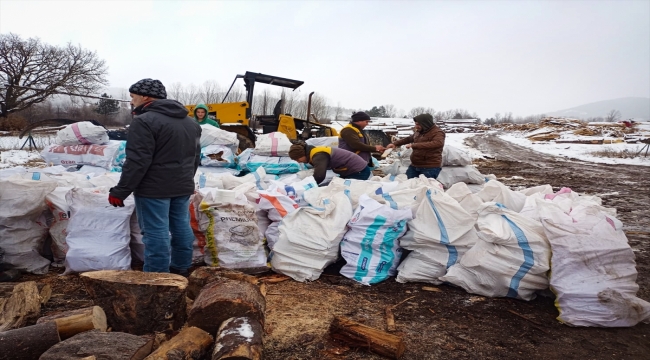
[(427, 143)]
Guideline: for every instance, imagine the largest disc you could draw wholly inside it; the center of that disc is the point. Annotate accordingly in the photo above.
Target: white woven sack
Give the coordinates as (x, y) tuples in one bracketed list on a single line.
[(495, 191), (450, 175), (511, 259), (98, 233), (211, 135), (371, 245), (452, 156), (23, 227), (273, 144), (593, 269), (310, 236), (82, 133), (233, 238)]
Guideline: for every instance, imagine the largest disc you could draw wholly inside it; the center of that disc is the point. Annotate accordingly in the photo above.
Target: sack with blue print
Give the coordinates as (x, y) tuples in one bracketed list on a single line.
[(371, 245), (439, 235), (511, 258)]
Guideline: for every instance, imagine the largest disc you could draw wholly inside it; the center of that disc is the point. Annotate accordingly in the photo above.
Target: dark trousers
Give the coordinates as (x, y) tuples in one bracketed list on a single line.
[(413, 172), (361, 175)]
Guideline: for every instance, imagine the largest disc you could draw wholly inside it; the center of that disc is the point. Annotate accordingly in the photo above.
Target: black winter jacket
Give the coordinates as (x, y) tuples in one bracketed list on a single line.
[(163, 152)]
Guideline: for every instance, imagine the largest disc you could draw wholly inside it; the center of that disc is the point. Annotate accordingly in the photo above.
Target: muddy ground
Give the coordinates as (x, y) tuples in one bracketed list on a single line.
[(448, 322)]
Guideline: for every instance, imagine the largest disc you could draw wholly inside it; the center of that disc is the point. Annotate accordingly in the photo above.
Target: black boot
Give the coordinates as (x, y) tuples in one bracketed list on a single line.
[(179, 272)]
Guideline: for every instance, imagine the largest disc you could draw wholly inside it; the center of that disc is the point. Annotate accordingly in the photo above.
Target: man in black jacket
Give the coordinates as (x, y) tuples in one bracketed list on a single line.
[(163, 152)]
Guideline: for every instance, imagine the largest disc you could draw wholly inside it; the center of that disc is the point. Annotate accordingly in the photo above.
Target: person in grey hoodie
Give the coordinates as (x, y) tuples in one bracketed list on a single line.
[(163, 152)]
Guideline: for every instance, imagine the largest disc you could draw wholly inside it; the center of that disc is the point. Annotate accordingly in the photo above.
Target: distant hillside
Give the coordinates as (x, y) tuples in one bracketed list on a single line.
[(629, 107)]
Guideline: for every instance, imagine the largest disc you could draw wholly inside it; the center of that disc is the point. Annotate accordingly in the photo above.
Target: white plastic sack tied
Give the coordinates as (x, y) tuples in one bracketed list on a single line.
[(441, 232), (371, 247), (331, 141), (233, 238), (495, 191), (272, 164), (22, 227), (98, 233), (310, 236), (58, 205), (273, 144), (278, 205), (449, 175), (103, 156), (82, 133), (593, 271), (452, 156), (211, 135), (511, 258)]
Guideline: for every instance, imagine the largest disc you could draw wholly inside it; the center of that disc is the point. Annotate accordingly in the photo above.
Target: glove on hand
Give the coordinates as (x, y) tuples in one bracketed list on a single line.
[(115, 201)]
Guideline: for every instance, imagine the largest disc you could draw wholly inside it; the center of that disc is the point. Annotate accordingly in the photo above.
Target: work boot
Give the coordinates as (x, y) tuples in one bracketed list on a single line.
[(184, 273)]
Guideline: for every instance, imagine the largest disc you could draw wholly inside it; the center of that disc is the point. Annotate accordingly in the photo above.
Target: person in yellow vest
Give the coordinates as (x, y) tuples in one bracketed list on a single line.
[(345, 163), (352, 138)]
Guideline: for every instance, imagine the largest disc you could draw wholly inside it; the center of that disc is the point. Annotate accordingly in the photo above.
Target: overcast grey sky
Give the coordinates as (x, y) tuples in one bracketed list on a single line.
[(526, 57)]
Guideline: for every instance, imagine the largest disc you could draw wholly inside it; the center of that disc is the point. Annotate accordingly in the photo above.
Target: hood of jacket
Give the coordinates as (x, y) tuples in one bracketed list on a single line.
[(204, 107), (167, 107)]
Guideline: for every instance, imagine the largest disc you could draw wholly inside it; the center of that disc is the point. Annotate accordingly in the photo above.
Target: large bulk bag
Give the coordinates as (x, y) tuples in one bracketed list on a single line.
[(511, 258), (371, 245), (98, 234), (272, 144), (593, 269), (82, 133)]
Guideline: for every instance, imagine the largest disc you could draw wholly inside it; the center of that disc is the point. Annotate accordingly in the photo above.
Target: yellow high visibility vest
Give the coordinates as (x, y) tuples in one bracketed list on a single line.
[(356, 130)]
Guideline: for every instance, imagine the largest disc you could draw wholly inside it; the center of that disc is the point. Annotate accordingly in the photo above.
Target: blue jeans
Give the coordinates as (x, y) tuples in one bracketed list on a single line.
[(413, 172), (157, 218), (361, 175)]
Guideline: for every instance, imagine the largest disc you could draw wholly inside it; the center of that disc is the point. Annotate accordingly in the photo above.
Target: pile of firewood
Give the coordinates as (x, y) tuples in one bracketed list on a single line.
[(214, 314)]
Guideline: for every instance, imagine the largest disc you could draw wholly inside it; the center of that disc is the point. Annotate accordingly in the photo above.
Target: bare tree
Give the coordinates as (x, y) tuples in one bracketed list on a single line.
[(391, 110), (338, 111), (175, 92), (613, 116), (31, 71), (209, 93)]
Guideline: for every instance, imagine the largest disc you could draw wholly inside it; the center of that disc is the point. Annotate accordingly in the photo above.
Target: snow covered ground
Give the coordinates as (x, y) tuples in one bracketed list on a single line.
[(580, 151)]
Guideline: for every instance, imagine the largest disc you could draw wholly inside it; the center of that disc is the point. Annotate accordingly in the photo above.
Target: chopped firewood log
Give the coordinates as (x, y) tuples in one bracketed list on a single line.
[(138, 302), (101, 345), (29, 342), (207, 274), (364, 337), (239, 338), (223, 299), (44, 291), (73, 322), (190, 344), (21, 308), (390, 319)]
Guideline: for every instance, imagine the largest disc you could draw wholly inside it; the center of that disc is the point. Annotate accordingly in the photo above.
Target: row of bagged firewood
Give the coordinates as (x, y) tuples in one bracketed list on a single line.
[(215, 314)]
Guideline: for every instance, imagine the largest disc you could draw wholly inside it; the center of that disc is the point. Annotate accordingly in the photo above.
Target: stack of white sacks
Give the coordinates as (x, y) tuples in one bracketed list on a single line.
[(271, 152), (493, 241), (83, 143)]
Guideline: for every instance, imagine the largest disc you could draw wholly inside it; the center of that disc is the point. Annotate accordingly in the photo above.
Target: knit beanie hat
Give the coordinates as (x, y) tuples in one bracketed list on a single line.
[(425, 120), (149, 87), (360, 116), (297, 151)]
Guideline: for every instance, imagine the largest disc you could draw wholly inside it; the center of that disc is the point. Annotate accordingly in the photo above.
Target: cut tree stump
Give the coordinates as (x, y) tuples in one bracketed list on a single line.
[(138, 302), (207, 274), (44, 291), (21, 308), (224, 299), (101, 345), (190, 344), (239, 338), (29, 342), (73, 322), (364, 337)]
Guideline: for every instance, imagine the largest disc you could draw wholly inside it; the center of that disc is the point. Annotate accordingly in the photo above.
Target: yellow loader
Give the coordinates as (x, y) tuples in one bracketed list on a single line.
[(236, 116)]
